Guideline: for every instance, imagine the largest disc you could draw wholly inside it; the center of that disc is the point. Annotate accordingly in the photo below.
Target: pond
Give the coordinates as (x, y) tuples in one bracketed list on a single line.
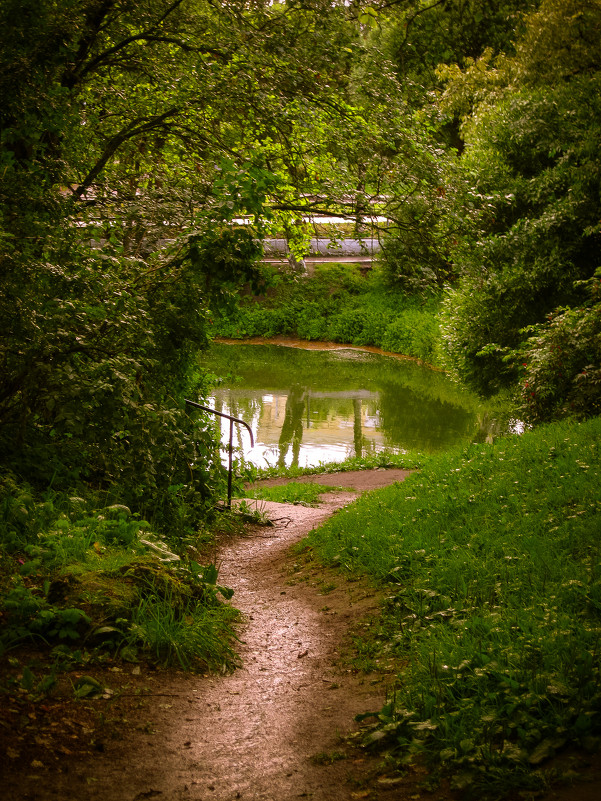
[(310, 406)]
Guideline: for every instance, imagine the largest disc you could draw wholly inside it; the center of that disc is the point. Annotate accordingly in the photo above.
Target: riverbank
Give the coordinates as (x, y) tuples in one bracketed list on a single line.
[(305, 344), (337, 303)]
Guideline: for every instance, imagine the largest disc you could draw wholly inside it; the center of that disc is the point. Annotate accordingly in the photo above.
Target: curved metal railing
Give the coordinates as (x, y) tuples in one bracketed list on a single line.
[(230, 447)]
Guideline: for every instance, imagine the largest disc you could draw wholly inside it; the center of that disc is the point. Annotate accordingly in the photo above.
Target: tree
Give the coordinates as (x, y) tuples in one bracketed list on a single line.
[(127, 126), (531, 159), (560, 362), (416, 38), (420, 35)]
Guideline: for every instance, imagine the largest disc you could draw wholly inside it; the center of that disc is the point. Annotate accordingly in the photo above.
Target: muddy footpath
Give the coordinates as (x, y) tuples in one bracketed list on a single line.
[(270, 731), (276, 729)]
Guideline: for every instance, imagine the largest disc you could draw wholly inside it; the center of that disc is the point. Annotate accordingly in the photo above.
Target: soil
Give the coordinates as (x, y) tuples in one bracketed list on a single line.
[(279, 728), (304, 344)]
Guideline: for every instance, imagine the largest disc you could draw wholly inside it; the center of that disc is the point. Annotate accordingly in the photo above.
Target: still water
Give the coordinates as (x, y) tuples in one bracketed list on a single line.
[(310, 406)]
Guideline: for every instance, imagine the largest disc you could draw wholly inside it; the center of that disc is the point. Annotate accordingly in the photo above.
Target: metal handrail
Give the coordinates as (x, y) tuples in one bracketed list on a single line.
[(230, 448)]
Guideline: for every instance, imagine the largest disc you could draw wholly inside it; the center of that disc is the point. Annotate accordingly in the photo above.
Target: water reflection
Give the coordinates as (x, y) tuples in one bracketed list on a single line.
[(292, 428), (310, 406)]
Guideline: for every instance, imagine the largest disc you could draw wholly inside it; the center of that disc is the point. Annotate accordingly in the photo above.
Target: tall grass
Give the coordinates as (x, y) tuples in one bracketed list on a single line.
[(185, 637), (492, 557)]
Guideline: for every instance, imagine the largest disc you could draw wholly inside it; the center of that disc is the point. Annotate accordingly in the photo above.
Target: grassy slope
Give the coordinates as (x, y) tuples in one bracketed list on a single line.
[(492, 556)]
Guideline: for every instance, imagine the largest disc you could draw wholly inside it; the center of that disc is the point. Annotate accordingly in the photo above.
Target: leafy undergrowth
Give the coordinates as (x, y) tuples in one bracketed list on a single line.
[(492, 557), (338, 304), (98, 582)]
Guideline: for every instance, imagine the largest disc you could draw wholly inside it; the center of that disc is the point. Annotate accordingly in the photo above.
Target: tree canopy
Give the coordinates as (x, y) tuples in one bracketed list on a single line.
[(133, 134), (136, 135), (532, 165)]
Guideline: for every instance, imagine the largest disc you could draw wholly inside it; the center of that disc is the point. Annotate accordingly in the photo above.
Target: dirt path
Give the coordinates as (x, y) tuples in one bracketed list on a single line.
[(266, 732)]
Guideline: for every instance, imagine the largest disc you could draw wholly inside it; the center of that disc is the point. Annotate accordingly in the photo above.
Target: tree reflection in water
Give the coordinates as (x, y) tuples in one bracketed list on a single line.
[(306, 407), (292, 429)]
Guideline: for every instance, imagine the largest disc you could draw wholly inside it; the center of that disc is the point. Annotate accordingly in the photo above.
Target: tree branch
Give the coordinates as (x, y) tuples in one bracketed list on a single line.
[(132, 130), (80, 69)]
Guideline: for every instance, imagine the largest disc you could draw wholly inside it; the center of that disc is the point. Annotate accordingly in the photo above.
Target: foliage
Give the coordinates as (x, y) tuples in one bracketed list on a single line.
[(425, 201), (419, 37), (337, 304), (133, 137), (490, 558), (561, 363), (104, 580), (100, 323), (531, 159)]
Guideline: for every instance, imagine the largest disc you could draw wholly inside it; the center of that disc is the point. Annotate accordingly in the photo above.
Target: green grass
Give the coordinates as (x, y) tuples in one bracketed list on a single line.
[(491, 557), (293, 492), (184, 636), (381, 460), (338, 304)]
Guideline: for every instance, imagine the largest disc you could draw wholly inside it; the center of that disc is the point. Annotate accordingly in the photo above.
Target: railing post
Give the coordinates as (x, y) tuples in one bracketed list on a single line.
[(229, 471)]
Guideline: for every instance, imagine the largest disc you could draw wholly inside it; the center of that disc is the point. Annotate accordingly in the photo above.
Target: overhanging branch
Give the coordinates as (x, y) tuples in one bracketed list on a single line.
[(135, 128)]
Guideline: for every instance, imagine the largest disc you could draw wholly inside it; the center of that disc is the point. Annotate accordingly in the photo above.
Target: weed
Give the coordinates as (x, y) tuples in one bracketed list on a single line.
[(252, 513), (327, 757)]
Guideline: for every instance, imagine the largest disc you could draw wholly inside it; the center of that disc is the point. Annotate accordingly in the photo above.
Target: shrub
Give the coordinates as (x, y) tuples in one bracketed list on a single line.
[(413, 333), (561, 362), (340, 305), (347, 326)]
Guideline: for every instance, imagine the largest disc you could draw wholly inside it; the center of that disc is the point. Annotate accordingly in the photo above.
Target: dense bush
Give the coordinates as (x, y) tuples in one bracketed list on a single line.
[(561, 363), (97, 360), (102, 579), (415, 333), (416, 249), (531, 158)]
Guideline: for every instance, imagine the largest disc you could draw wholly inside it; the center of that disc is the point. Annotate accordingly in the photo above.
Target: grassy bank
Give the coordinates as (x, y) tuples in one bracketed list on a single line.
[(491, 557), (337, 304)]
